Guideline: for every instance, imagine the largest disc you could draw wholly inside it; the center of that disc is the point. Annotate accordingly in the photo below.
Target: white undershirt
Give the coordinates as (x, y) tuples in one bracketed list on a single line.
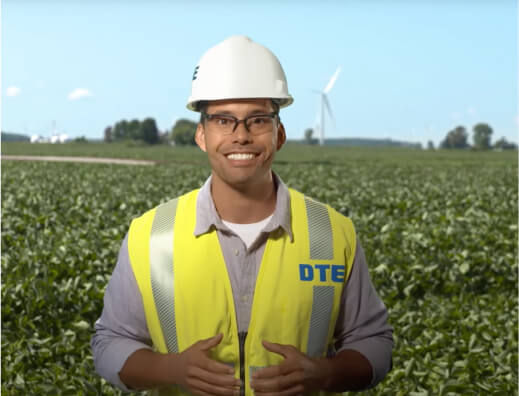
[(248, 232)]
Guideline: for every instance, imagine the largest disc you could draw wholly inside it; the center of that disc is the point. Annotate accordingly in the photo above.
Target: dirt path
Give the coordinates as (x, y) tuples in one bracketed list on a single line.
[(78, 159)]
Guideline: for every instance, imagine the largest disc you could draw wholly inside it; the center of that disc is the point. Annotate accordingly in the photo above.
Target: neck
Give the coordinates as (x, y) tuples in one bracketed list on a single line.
[(244, 204)]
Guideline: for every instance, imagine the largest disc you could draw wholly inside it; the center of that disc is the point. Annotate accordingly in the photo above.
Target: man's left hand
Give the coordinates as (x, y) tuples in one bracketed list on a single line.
[(297, 374)]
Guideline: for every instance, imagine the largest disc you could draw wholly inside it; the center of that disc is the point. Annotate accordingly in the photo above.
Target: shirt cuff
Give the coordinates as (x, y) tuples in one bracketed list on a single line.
[(378, 351), (114, 357)]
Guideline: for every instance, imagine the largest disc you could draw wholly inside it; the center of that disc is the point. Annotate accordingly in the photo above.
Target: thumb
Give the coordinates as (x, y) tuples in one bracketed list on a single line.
[(276, 348), (209, 343)]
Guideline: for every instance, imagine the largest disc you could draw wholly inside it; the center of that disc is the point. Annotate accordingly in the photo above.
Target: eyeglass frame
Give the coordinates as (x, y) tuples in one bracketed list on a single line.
[(273, 115)]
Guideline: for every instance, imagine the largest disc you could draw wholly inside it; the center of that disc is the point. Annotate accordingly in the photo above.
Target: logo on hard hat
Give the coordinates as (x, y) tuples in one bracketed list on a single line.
[(195, 72)]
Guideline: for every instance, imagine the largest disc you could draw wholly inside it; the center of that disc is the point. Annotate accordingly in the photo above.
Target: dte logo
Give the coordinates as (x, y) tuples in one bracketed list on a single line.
[(307, 272), (195, 73)]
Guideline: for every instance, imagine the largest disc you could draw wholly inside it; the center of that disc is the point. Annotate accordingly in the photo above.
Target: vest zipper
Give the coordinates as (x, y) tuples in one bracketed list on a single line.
[(241, 340)]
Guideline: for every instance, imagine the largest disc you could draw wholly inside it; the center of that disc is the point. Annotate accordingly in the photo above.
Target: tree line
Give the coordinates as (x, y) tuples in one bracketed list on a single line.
[(145, 131), (183, 133), (457, 138)]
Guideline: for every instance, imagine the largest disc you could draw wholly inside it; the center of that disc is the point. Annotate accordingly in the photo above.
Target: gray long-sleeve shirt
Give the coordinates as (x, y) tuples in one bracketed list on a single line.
[(121, 330)]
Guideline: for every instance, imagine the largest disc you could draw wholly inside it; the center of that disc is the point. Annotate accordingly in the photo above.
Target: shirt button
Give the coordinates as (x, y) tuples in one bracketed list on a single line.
[(236, 252), (244, 298)]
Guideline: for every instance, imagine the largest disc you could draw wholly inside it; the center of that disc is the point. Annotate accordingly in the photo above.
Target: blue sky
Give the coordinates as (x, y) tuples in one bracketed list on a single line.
[(411, 70)]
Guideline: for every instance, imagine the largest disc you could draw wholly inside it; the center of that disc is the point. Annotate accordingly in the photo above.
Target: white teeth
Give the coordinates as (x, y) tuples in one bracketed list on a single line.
[(241, 156)]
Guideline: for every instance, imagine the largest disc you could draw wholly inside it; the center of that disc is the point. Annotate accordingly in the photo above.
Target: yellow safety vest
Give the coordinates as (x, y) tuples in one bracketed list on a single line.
[(187, 293)]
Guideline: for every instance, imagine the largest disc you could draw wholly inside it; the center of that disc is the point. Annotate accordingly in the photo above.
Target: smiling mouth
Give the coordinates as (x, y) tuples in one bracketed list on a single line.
[(241, 156)]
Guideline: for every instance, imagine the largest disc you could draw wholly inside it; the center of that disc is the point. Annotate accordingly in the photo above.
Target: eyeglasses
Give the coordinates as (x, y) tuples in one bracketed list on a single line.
[(256, 124)]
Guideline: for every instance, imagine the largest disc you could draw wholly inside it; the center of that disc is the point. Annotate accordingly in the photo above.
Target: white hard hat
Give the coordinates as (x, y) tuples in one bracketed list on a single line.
[(238, 68)]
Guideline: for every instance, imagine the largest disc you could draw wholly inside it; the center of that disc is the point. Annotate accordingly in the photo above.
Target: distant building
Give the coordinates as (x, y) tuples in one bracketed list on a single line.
[(37, 139), (59, 138), (56, 138)]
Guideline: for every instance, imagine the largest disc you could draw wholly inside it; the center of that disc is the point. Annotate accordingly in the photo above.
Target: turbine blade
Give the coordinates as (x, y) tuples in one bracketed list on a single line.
[(328, 108), (332, 80)]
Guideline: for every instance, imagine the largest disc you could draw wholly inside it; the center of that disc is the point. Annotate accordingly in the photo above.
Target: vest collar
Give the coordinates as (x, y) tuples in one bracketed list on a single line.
[(207, 216)]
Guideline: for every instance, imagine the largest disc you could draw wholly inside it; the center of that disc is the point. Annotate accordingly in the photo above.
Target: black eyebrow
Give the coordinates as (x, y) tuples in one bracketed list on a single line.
[(260, 112), (225, 112), (254, 112)]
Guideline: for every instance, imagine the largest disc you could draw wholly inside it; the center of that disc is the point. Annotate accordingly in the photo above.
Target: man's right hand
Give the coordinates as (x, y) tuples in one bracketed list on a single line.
[(201, 375), (192, 369)]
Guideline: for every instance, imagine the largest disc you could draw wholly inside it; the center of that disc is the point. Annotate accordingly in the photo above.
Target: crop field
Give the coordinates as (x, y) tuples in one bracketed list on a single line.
[(440, 232)]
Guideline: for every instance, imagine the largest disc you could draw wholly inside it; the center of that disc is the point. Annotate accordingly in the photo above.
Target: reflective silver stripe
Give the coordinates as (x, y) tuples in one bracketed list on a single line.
[(161, 267), (320, 320), (319, 231)]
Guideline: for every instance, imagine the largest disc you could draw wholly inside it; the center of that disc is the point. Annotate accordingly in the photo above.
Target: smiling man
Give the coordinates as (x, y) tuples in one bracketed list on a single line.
[(241, 138), (244, 286)]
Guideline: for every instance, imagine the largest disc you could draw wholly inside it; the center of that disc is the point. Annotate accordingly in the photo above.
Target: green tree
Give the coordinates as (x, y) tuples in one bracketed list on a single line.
[(455, 139), (80, 139), (309, 133), (430, 145), (183, 132), (14, 137), (164, 137), (133, 131), (108, 134), (148, 131), (503, 144), (120, 130), (482, 133)]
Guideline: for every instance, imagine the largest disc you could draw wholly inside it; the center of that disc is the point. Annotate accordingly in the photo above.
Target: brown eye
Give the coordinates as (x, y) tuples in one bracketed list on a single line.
[(222, 121), (260, 120)]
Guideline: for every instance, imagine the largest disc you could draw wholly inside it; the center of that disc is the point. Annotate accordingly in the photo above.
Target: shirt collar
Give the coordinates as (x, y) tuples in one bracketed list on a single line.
[(207, 216)]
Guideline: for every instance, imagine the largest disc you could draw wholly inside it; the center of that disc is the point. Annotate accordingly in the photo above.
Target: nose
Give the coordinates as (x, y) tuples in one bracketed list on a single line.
[(240, 134)]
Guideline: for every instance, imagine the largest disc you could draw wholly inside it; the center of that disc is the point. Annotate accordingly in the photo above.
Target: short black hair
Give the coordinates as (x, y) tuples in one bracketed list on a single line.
[(201, 107)]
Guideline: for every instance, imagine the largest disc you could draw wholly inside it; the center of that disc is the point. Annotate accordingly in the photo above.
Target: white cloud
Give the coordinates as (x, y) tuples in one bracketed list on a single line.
[(455, 116), (471, 111), (79, 93), (13, 91)]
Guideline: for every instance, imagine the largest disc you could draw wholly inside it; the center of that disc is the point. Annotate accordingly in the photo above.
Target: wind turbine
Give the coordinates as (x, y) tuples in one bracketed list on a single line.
[(326, 103)]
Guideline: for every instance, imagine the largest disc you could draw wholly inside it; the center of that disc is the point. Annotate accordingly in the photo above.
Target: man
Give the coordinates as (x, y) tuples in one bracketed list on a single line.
[(244, 286)]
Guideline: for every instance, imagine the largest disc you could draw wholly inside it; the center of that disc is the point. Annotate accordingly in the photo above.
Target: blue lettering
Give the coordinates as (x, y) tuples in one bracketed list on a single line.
[(322, 271), (337, 273), (306, 272)]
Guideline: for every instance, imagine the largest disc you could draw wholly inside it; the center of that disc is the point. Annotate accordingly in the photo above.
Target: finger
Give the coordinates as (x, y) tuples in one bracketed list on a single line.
[(279, 383), (267, 372), (218, 367), (214, 366), (213, 378), (209, 343), (198, 385), (288, 385), (280, 349)]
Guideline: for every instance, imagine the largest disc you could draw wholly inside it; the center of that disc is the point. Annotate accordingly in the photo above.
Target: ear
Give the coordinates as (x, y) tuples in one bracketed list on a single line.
[(200, 137), (282, 137)]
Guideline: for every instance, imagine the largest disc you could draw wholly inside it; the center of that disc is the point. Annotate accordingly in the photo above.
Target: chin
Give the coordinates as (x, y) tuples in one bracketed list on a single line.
[(242, 180), (242, 177)]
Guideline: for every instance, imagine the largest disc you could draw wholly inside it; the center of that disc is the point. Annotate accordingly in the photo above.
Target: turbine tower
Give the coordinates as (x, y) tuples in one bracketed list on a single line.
[(326, 104)]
